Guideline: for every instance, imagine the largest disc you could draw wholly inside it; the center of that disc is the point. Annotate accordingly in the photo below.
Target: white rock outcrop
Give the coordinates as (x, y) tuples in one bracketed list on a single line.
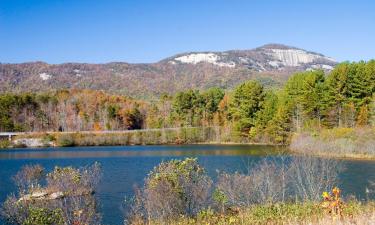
[(212, 58), (295, 57), (45, 76)]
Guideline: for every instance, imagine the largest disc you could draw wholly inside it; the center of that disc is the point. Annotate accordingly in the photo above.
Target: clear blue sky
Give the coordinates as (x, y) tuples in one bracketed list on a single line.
[(94, 31)]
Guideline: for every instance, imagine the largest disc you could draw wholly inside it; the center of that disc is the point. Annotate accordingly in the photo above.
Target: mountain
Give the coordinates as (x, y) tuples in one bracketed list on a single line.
[(270, 64)]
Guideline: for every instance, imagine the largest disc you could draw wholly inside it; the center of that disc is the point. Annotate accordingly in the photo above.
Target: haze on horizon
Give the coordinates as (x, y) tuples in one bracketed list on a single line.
[(147, 31)]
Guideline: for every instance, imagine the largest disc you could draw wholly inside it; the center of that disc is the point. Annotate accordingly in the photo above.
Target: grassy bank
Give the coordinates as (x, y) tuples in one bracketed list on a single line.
[(339, 142), (186, 135), (298, 213)]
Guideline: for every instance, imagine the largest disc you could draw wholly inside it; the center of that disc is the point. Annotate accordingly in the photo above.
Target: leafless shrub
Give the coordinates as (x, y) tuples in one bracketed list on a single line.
[(28, 178), (237, 188), (265, 182), (279, 180), (269, 181), (11, 211), (78, 209), (310, 176)]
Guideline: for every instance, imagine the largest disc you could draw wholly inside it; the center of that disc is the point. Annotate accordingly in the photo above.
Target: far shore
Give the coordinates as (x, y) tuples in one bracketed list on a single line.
[(359, 157)]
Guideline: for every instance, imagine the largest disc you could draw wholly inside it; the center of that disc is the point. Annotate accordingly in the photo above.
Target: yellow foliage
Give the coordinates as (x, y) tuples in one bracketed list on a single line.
[(333, 203)]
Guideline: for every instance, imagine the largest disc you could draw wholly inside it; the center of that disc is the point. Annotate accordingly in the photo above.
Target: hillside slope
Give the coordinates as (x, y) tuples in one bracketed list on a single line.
[(271, 64)]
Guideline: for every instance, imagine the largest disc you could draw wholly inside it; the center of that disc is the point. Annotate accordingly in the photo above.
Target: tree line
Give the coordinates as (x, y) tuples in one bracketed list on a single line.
[(309, 100)]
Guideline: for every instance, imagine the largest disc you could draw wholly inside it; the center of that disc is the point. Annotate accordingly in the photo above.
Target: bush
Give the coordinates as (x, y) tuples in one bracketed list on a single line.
[(181, 188), (43, 216), (68, 196), (177, 187), (4, 143), (28, 178), (65, 140), (265, 183)]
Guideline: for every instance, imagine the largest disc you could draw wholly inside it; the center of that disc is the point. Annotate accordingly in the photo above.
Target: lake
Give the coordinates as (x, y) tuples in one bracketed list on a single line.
[(126, 166)]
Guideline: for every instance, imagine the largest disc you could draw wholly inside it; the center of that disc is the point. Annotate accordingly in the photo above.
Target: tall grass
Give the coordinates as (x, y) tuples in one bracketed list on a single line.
[(184, 135), (341, 142)]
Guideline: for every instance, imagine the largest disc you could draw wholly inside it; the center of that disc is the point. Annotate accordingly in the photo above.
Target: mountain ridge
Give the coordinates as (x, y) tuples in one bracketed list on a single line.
[(271, 64)]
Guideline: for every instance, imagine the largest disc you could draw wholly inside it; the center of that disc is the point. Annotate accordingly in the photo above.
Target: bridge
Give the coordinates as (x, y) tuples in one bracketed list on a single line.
[(10, 134)]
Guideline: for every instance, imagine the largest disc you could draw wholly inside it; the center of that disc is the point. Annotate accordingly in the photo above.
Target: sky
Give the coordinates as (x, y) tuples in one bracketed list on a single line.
[(143, 31)]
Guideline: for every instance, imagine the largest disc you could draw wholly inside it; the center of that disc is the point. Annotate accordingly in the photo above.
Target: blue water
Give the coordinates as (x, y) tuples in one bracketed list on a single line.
[(125, 166)]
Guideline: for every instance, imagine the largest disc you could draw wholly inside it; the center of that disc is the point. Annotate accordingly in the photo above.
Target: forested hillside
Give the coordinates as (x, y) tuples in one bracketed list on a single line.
[(308, 101)]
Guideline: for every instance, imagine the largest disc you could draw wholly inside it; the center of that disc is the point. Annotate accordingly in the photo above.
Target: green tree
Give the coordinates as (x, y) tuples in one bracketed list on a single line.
[(266, 113), (293, 91), (337, 93), (361, 82), (246, 101), (312, 95), (188, 107), (212, 98), (281, 125)]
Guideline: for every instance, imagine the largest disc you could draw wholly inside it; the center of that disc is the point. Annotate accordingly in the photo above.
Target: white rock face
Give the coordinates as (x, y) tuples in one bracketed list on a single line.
[(204, 57), (327, 67), (45, 76), (294, 57), (198, 57), (274, 63)]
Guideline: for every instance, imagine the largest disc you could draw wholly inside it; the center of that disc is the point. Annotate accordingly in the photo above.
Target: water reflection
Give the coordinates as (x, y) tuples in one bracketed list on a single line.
[(139, 151)]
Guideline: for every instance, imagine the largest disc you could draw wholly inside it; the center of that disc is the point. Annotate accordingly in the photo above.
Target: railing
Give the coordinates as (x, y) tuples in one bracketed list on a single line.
[(11, 134)]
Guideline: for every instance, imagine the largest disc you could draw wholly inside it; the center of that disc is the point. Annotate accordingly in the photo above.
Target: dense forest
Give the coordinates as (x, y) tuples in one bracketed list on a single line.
[(309, 100)]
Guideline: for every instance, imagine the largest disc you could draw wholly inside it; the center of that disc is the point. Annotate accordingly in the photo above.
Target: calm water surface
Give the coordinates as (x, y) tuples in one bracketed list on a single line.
[(125, 166)]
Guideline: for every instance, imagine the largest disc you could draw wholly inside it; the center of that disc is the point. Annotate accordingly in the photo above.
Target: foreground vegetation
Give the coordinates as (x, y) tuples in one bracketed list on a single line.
[(296, 190), (309, 101), (285, 213), (63, 196)]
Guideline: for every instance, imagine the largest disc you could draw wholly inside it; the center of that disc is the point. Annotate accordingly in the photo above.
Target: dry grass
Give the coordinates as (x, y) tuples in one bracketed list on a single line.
[(288, 214), (339, 142)]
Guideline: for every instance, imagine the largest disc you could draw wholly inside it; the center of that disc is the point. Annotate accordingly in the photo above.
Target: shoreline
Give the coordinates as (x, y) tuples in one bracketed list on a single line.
[(357, 157)]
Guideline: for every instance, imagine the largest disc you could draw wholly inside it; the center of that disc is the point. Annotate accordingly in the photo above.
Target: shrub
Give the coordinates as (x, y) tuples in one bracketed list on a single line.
[(28, 178), (173, 188), (266, 182), (311, 176), (67, 198), (43, 216), (65, 140), (4, 143)]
